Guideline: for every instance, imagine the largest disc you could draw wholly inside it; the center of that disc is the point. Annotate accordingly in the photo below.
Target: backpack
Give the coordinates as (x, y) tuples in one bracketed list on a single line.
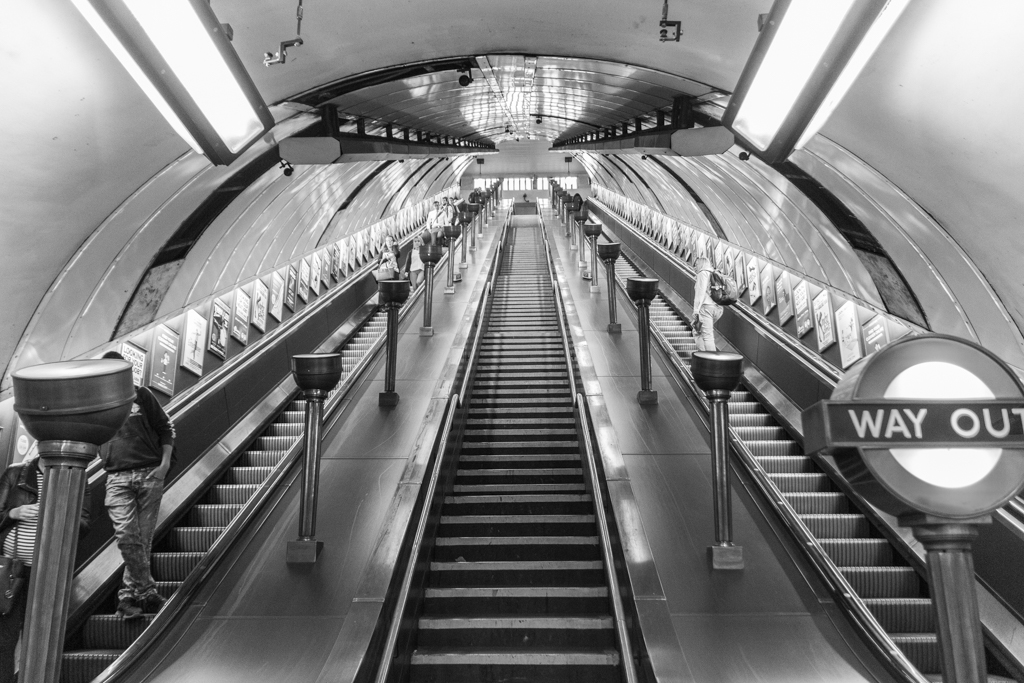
[(723, 289)]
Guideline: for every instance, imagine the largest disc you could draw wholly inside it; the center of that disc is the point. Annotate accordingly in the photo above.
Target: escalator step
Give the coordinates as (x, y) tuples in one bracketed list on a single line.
[(746, 408), (818, 503), (516, 548), (506, 632), (518, 488), (273, 443), (775, 447), (903, 615), (255, 458), (290, 429), (82, 666), (837, 525), (111, 632), (212, 515), (174, 566), (804, 482), (883, 582), (761, 433), (192, 538), (787, 464), (922, 650), (246, 475), (539, 667), (230, 494), (859, 552)]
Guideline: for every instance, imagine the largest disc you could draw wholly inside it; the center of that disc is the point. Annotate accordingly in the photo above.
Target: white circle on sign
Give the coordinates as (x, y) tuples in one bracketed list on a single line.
[(22, 445), (950, 468)]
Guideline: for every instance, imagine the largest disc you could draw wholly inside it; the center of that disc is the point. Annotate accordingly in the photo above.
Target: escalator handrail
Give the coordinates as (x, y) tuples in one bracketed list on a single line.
[(395, 626), (583, 413), (844, 594), (195, 579), (619, 612), (455, 400)]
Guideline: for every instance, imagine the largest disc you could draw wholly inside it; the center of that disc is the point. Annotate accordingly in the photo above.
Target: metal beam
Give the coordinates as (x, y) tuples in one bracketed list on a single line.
[(683, 142), (343, 150)]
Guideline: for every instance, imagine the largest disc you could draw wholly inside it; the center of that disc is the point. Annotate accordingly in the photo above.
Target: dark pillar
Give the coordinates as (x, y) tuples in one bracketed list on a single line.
[(72, 408), (451, 233), (476, 224), (592, 231), (951, 576), (609, 253), (717, 374), (315, 374), (392, 294), (464, 222), (642, 290), (430, 254)]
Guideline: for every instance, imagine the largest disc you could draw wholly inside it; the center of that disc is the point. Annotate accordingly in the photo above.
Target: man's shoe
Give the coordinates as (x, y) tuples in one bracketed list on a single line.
[(128, 610), (152, 603)]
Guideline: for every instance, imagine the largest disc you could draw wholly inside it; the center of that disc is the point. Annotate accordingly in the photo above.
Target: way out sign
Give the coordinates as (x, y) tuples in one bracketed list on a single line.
[(929, 424)]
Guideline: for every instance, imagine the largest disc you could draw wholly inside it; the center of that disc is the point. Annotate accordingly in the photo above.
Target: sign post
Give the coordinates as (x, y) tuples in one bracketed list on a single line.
[(931, 429), (642, 291), (609, 253)]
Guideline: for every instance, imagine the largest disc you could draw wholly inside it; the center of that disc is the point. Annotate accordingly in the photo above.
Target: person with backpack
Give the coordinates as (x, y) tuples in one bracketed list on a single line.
[(705, 311)]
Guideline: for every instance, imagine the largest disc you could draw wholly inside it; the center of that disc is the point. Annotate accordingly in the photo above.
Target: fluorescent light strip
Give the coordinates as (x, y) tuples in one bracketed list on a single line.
[(804, 35), (115, 46), (183, 41), (872, 39)]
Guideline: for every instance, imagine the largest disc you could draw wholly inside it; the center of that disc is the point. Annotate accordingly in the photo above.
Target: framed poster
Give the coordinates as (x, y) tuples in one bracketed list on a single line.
[(875, 333), (768, 289), (802, 304), (702, 247), (326, 259), (740, 271), (849, 334), (195, 343), (822, 305), (277, 296), (137, 357), (304, 279), (753, 280), (316, 265), (336, 261), (289, 292), (784, 294), (220, 321), (240, 320), (260, 295), (719, 254), (165, 359)]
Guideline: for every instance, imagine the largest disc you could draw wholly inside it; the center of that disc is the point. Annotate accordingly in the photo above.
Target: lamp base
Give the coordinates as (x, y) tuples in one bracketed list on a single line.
[(449, 290), (458, 276), (615, 327), (303, 551), (426, 331), (728, 557), (388, 399), (647, 398)]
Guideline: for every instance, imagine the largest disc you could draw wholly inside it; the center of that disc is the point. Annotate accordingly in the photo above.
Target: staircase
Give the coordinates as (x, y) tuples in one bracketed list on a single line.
[(516, 588)]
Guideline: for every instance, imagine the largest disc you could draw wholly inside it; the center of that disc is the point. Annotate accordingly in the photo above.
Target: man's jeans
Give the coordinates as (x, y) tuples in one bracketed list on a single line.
[(133, 502), (708, 315)]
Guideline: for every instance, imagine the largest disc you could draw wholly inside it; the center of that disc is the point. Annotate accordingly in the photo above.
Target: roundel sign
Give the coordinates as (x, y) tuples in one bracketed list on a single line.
[(930, 424)]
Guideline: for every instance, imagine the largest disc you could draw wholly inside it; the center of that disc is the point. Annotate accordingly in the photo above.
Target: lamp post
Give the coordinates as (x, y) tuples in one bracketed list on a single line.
[(593, 231), (391, 294), (431, 255), (315, 374), (718, 374), (72, 408), (642, 290), (451, 233), (476, 224), (609, 253), (464, 223)]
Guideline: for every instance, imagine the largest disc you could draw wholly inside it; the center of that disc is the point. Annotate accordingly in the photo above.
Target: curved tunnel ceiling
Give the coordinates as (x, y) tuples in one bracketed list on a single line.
[(90, 140)]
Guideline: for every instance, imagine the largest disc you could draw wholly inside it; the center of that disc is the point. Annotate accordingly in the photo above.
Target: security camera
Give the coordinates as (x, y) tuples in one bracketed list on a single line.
[(538, 119), (744, 156), (643, 157), (287, 168)]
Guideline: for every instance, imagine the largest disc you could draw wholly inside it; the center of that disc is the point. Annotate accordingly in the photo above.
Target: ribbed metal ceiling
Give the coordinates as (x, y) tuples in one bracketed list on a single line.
[(520, 97)]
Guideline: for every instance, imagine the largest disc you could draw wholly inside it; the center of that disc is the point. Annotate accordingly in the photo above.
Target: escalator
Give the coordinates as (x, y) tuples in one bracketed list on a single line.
[(104, 636), (892, 591), (516, 587)]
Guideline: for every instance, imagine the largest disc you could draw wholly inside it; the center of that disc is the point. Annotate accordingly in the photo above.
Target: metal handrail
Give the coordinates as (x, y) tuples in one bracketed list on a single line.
[(411, 566), (583, 413), (841, 590), (621, 630)]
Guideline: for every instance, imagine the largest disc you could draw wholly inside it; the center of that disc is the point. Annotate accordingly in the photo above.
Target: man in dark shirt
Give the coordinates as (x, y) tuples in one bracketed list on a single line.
[(137, 460)]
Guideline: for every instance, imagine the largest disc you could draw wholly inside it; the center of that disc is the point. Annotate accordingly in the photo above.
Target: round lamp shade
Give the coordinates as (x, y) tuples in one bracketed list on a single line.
[(642, 288), (716, 371), (79, 400), (317, 370), (431, 253), (393, 291), (609, 252)]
